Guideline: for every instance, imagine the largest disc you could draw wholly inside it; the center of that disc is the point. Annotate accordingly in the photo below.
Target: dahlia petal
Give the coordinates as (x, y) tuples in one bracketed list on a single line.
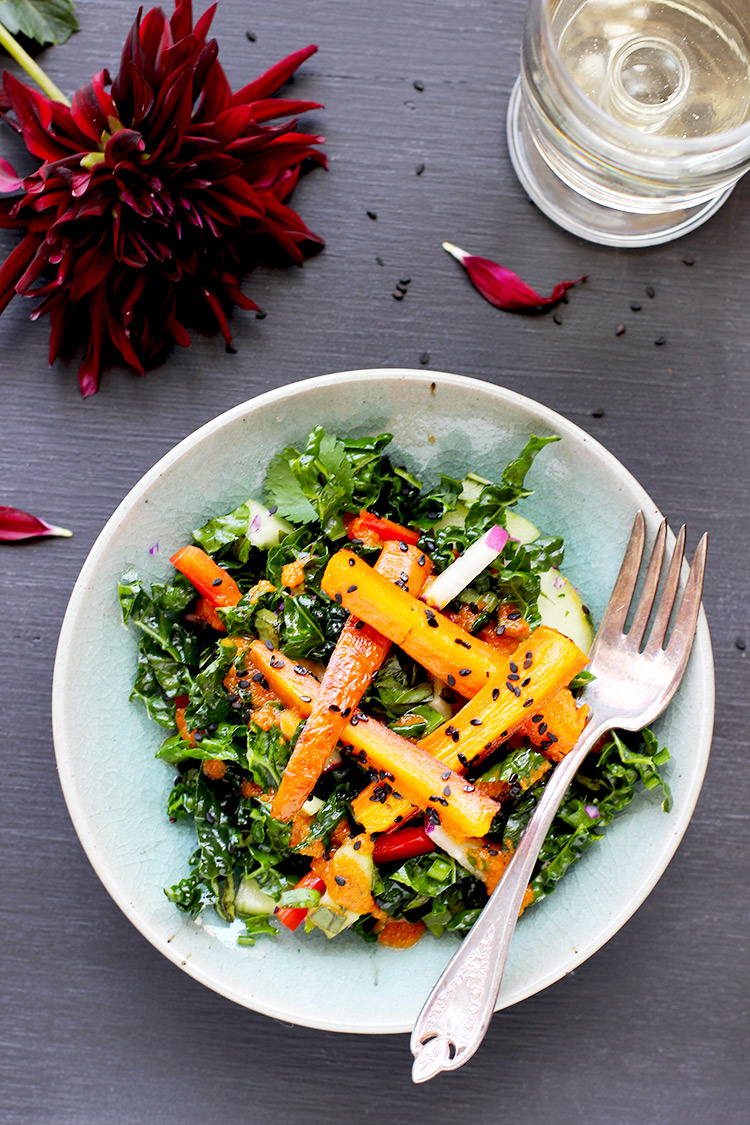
[(9, 181), (503, 288), (268, 108), (269, 82), (16, 525), (218, 312), (87, 114), (15, 265), (181, 23)]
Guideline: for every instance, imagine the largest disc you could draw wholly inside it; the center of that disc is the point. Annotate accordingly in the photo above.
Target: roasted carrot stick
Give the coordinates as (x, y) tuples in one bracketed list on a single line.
[(407, 769), (358, 654), (210, 580), (557, 726), (438, 644), (539, 668)]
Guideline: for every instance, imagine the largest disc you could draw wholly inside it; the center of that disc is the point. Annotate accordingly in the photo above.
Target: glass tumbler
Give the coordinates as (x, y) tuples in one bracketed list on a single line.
[(630, 122)]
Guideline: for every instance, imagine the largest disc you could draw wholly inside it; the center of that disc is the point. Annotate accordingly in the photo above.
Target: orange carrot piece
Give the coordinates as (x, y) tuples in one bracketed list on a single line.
[(416, 774), (547, 660), (561, 725), (210, 580), (438, 644), (358, 654)]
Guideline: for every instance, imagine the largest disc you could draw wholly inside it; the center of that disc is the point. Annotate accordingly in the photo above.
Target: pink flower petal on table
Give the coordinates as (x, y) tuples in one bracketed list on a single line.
[(503, 288), (15, 525)]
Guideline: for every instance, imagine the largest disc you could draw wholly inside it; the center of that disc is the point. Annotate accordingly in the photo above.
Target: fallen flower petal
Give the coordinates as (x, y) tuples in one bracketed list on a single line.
[(503, 288), (15, 525)]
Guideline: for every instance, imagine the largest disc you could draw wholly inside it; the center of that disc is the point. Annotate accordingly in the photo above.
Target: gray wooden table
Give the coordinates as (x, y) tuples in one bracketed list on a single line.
[(97, 1026)]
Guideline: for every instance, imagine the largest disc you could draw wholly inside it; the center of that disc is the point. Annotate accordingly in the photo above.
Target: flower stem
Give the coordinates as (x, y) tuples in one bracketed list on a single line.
[(25, 60)]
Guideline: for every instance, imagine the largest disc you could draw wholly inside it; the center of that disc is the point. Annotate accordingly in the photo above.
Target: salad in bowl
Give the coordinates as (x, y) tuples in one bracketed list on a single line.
[(365, 683)]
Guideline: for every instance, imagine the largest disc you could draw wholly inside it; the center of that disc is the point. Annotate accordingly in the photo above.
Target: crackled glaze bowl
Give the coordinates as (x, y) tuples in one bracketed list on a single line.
[(116, 791)]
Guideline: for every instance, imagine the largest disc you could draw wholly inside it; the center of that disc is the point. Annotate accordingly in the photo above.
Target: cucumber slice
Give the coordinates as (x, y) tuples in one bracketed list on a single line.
[(561, 608), (518, 527), (250, 899), (263, 529)]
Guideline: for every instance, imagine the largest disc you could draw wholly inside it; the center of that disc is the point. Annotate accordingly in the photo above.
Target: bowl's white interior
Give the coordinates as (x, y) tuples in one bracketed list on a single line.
[(116, 791)]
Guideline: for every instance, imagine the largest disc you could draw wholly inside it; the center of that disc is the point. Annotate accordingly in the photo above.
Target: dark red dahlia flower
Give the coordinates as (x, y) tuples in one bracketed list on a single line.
[(156, 194)]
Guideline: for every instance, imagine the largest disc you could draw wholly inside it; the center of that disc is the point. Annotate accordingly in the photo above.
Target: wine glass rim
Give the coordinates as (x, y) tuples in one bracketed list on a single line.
[(725, 141)]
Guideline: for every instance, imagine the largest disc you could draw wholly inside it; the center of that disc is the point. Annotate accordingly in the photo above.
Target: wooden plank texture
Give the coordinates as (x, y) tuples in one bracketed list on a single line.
[(97, 1026)]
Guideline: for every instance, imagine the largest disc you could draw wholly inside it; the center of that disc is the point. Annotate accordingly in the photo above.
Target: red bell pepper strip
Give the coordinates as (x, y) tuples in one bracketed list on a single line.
[(291, 916), (383, 529), (394, 847), (214, 583)]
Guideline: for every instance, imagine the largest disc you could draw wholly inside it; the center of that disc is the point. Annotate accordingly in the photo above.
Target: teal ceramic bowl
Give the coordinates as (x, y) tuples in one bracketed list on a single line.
[(116, 790)]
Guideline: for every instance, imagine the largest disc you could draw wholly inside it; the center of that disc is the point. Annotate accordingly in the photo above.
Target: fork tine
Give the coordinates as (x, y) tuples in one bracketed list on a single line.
[(664, 612), (681, 640), (622, 594), (645, 605)]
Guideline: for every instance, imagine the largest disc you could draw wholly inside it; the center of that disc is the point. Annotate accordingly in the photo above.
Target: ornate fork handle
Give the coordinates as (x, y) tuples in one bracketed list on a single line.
[(455, 1017)]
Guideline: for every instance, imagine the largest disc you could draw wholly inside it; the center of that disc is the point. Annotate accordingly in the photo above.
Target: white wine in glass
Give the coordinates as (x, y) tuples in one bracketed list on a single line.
[(630, 123)]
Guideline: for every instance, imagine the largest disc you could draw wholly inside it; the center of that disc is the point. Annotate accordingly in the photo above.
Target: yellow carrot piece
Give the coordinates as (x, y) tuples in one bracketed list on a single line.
[(359, 652), (419, 777), (544, 664), (428, 636)]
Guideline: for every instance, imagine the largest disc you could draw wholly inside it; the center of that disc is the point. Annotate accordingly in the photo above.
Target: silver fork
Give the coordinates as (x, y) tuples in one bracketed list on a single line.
[(632, 687)]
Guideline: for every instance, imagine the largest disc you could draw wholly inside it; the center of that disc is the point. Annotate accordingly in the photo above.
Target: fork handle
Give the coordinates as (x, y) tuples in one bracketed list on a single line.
[(455, 1018)]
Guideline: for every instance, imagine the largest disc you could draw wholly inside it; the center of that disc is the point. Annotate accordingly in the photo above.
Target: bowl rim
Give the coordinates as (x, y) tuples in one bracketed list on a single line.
[(65, 752)]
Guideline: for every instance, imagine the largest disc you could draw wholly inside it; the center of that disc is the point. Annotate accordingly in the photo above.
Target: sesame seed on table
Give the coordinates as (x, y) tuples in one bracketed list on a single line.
[(652, 360)]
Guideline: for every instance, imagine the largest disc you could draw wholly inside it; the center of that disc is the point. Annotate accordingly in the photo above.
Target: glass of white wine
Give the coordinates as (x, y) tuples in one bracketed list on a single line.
[(630, 122)]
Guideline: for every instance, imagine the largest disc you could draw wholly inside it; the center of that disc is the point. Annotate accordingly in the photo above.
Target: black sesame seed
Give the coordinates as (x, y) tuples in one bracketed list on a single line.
[(689, 260), (462, 759), (251, 36), (211, 817), (447, 791), (340, 880), (306, 698), (598, 413), (468, 788), (492, 851), (455, 736), (513, 677), (359, 625), (495, 693), (261, 315), (372, 215), (552, 737), (355, 720), (537, 719), (276, 663), (403, 546), (217, 582), (334, 707), (499, 630), (421, 560), (419, 86), (268, 645), (398, 294), (337, 598), (659, 341), (432, 622), (476, 722), (514, 616), (635, 306), (236, 705), (244, 684), (620, 330), (357, 845), (300, 670), (451, 680), (199, 736), (528, 702), (740, 643), (420, 170), (557, 318), (352, 562), (650, 291), (258, 676), (542, 727), (513, 667), (464, 671), (464, 644), (526, 682), (350, 589)]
